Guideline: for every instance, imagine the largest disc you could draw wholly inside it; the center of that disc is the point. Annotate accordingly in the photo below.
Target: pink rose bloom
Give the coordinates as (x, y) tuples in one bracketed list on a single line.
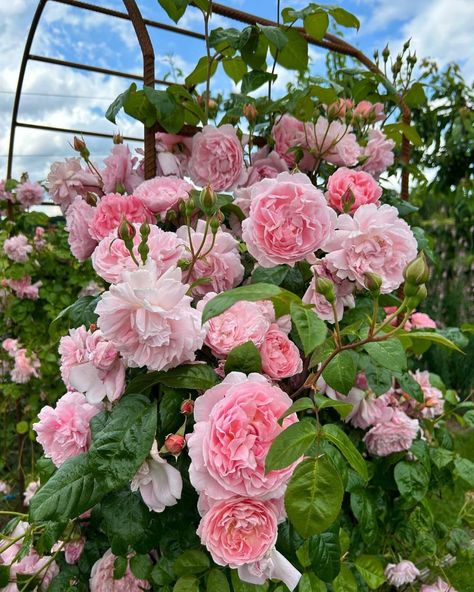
[(102, 577), (64, 431), (38, 239), (119, 174), (439, 586), (236, 423), (280, 356), (243, 321), (241, 533), (29, 194), (332, 141), (5, 195), (347, 190), (343, 290), (378, 153), (5, 489), (10, 345), (17, 248), (110, 211), (68, 179), (420, 320), (217, 158), (172, 154), (149, 319), (111, 257), (79, 216), (30, 564), (72, 349), (24, 288), (368, 410), (399, 574), (160, 484), (25, 367), (394, 435), (220, 260), (162, 194), (374, 240), (289, 219), (73, 550), (289, 132), (369, 111), (30, 491), (433, 404), (339, 108)]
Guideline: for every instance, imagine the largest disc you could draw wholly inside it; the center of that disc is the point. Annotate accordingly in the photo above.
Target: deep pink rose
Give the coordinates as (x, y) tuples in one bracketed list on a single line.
[(29, 194), (67, 179), (79, 216), (111, 257), (162, 194), (102, 577), (374, 240), (332, 141), (371, 112), (399, 574), (378, 153), (110, 211), (220, 260), (347, 190), (280, 356), (119, 173), (217, 158), (289, 219), (394, 435), (17, 248), (64, 431), (236, 423), (420, 320), (438, 586)]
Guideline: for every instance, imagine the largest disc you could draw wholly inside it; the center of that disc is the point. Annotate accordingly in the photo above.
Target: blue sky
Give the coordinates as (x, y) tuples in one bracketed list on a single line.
[(441, 29)]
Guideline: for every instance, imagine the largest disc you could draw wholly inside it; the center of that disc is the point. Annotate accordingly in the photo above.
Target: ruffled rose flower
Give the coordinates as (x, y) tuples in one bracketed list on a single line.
[(368, 410), (347, 190), (217, 158), (438, 586), (236, 423), (172, 154), (26, 366), (17, 248), (68, 179), (72, 349), (102, 577), (162, 194), (160, 484), (119, 173), (149, 319), (433, 400), (111, 257), (220, 262), (79, 216), (38, 240), (64, 431), (10, 345), (332, 141), (110, 211), (289, 132), (280, 356), (369, 111), (399, 574), (289, 220), (374, 240), (378, 153), (23, 288), (29, 194), (394, 435)]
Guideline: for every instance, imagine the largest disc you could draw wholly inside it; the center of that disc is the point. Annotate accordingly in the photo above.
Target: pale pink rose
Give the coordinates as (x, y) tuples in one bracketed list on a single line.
[(26, 366), (39, 240), (5, 195), (288, 132), (23, 288), (220, 260), (162, 194), (33, 563), (160, 484), (394, 435), (17, 248), (347, 190), (5, 489), (371, 112), (289, 220), (102, 577), (438, 586), (339, 108), (92, 288), (378, 153), (29, 194), (149, 319), (72, 550), (79, 216), (368, 410), (64, 431), (236, 423), (111, 257), (331, 141), (72, 349), (433, 404), (10, 345), (243, 321), (30, 491), (172, 154), (420, 320), (399, 574), (280, 356), (374, 240), (119, 174), (68, 179), (343, 290), (110, 211), (217, 158)]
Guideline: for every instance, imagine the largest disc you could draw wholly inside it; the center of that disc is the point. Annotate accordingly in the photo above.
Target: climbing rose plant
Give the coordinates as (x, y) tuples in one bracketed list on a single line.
[(244, 403)]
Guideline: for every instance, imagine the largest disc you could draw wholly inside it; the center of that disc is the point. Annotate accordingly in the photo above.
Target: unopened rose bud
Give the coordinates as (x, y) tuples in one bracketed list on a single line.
[(413, 301), (386, 53), (187, 407), (211, 104), (347, 200), (214, 224), (250, 112), (406, 45), (144, 230), (373, 283), (208, 200), (174, 443), (189, 207), (417, 271), (91, 199), (117, 138), (80, 146), (93, 327), (126, 231), (325, 287)]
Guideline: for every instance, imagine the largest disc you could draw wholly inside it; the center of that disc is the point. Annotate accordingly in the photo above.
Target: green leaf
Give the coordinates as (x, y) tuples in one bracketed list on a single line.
[(199, 74), (141, 566), (342, 441), (410, 386), (139, 107), (82, 312), (217, 582), (235, 68), (379, 379), (255, 79), (290, 445), (311, 329), (120, 567), (225, 300), (341, 407), (325, 552), (412, 480), (114, 108), (191, 562), (162, 573), (186, 584), (345, 581), (465, 470), (244, 358), (174, 8), (294, 56), (364, 509), (316, 24), (300, 405), (221, 37), (310, 583), (388, 354), (4, 575), (430, 336), (344, 18), (169, 409), (72, 490), (275, 36), (270, 275), (441, 457), (371, 569), (170, 113), (340, 373), (314, 496), (415, 95), (188, 376), (239, 586), (253, 48), (122, 445)]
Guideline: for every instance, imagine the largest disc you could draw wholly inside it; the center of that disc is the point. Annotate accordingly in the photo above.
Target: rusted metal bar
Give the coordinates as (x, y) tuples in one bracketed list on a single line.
[(69, 130)]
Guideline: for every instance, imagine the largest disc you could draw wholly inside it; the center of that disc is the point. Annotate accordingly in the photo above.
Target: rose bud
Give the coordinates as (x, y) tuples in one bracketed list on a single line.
[(417, 272), (250, 112), (325, 287), (174, 443), (187, 407)]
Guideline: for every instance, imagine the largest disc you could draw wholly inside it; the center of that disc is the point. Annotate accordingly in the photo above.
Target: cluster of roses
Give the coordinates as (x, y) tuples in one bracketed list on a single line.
[(150, 315), (25, 194), (25, 364)]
